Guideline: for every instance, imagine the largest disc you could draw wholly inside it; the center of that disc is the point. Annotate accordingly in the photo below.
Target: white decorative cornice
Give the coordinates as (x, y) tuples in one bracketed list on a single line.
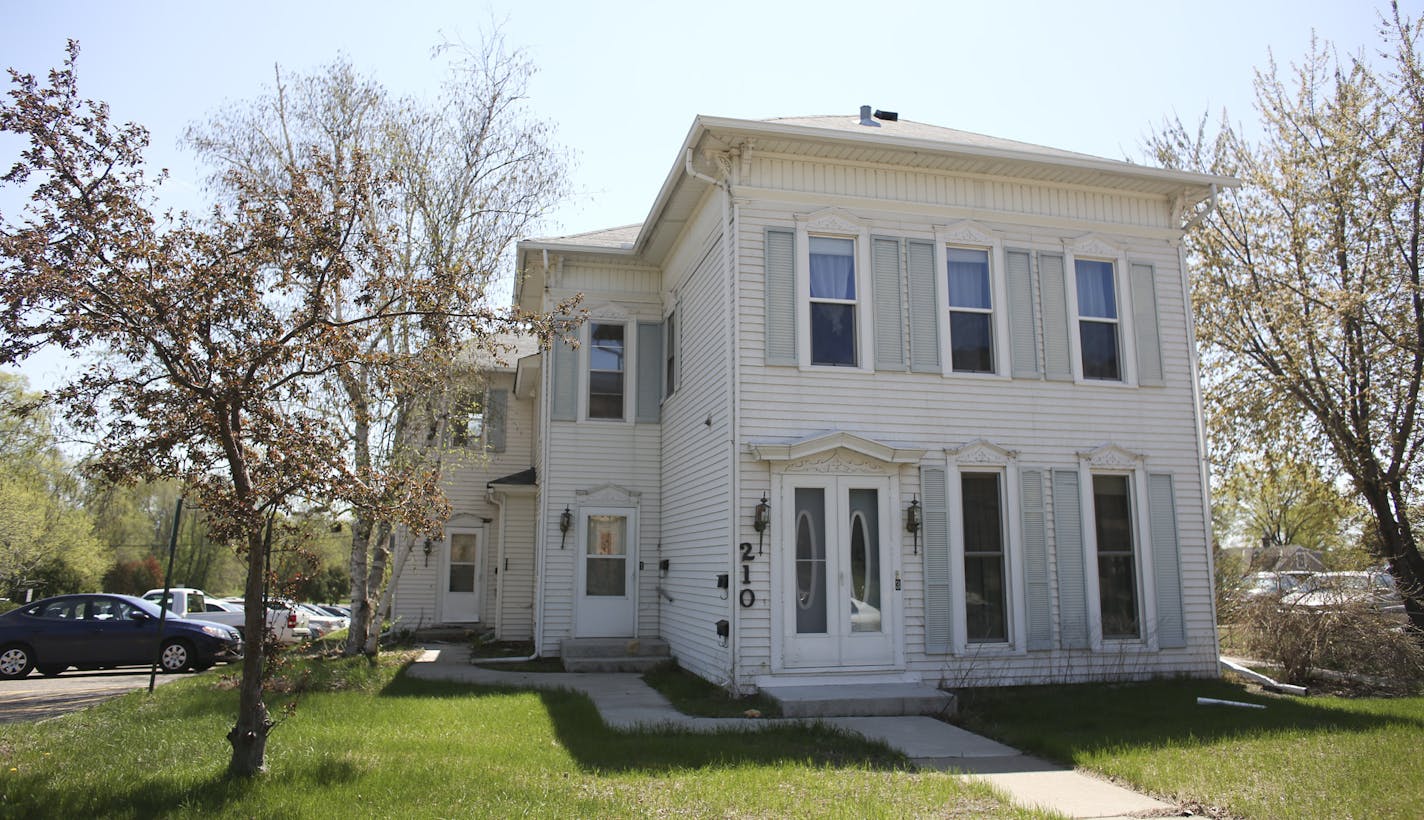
[(965, 232), (840, 462), (611, 494), (1111, 456), (831, 220), (981, 451), (1094, 245), (823, 443)]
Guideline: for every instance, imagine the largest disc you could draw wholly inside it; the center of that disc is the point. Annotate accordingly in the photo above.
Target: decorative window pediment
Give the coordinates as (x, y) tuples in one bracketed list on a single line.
[(611, 495), (965, 232), (831, 220), (981, 451), (1094, 245), (1111, 457)]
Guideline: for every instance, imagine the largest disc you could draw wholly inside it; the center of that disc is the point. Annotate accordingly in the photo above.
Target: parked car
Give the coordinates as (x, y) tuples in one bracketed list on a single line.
[(338, 610), (1268, 585), (94, 631), (286, 623), (322, 622), (1326, 591)]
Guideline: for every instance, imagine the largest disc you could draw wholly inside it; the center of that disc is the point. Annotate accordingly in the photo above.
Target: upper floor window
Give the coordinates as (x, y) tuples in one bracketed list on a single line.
[(833, 302), (1117, 561), (607, 366), (971, 311), (1098, 320), (670, 353), (467, 419)]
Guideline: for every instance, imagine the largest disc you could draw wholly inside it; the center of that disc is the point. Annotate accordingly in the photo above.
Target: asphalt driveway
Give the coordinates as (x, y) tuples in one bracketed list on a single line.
[(37, 697)]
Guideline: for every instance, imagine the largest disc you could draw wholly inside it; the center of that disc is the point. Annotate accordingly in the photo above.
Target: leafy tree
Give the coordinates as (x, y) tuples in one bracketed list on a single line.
[(134, 577), (467, 175), (45, 539), (212, 336), (1309, 298), (1279, 501)]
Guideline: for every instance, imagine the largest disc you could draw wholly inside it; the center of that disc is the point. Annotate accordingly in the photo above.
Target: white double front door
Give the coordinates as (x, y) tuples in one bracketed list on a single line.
[(837, 606)]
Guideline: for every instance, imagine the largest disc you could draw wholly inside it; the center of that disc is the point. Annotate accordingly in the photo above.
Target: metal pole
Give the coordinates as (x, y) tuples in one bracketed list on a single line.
[(163, 602)]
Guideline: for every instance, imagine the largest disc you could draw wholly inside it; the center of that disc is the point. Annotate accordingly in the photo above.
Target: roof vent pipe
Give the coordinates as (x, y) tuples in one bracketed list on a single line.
[(865, 117)]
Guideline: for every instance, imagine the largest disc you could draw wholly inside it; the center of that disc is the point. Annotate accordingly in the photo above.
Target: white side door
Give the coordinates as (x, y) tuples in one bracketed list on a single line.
[(606, 605), (460, 576)]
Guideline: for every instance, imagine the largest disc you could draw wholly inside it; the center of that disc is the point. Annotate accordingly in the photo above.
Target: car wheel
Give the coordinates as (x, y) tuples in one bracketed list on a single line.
[(49, 670), (16, 661), (175, 656)]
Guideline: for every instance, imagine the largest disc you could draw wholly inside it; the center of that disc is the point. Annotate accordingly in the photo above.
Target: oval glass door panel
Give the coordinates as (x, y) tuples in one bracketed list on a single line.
[(864, 546), (606, 570), (810, 560)]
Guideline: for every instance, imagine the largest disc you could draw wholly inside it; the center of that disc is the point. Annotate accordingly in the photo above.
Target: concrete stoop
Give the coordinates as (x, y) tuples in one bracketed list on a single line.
[(861, 700), (613, 654)]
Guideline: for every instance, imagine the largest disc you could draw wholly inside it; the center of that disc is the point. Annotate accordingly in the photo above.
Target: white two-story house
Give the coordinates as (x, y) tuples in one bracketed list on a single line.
[(861, 399)]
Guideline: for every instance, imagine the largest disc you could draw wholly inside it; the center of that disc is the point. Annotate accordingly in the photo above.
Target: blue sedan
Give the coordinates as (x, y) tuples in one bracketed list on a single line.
[(101, 631)]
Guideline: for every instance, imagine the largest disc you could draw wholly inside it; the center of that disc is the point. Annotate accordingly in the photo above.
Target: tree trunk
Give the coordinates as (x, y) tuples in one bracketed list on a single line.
[(360, 612), (249, 736), (381, 553), (1398, 550)]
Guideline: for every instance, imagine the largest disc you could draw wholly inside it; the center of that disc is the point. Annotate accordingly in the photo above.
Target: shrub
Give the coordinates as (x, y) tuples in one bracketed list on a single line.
[(1353, 638)]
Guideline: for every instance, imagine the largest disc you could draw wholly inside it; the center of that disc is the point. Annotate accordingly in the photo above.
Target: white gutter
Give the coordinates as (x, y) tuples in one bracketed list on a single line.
[(1202, 449), (543, 430)]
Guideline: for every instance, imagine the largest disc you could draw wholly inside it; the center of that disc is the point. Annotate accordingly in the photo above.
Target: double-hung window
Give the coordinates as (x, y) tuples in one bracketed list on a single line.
[(467, 419), (1117, 562), (833, 302), (670, 355), (971, 311), (1098, 320), (985, 578), (607, 364)]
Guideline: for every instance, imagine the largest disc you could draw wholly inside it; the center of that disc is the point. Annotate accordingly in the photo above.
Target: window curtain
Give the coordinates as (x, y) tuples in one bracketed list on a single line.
[(969, 279), (1096, 296), (832, 268)]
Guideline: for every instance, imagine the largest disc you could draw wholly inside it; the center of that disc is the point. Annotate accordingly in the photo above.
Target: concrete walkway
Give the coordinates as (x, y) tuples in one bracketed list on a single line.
[(626, 702)]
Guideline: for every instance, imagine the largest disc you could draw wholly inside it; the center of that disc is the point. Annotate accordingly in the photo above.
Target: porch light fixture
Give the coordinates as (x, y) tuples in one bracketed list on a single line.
[(913, 522), (428, 547), (566, 523), (761, 520)]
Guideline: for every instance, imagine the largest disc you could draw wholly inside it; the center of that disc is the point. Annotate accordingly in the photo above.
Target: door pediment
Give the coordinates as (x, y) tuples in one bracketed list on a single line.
[(836, 452)]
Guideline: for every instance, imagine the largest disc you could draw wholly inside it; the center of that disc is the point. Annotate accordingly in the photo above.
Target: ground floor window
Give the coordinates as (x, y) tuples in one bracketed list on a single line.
[(984, 577), (1117, 562)]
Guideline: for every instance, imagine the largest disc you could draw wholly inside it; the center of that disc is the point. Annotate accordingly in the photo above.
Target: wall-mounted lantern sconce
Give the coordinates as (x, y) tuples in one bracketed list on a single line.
[(566, 523), (914, 521), (428, 547), (724, 584), (761, 520), (663, 564), (724, 631)]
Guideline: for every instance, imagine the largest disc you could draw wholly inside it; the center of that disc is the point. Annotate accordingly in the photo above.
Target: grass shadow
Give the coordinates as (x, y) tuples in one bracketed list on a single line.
[(597, 748), (1068, 723)]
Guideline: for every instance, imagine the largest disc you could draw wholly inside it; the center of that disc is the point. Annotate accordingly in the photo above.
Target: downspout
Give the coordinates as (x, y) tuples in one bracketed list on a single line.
[(1202, 450), (543, 429), (497, 499), (732, 371)]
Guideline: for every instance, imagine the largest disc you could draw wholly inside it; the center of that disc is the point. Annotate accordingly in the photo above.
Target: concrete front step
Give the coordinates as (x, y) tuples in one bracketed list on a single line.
[(613, 654), (860, 700)]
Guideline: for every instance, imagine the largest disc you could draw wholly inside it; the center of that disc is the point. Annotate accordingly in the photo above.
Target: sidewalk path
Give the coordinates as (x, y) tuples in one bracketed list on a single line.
[(626, 702)]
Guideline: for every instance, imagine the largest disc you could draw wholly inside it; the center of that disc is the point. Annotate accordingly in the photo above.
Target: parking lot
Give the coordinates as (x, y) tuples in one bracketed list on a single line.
[(37, 697)]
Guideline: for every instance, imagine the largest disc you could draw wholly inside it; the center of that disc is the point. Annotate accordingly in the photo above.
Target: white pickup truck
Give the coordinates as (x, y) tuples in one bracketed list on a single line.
[(287, 623)]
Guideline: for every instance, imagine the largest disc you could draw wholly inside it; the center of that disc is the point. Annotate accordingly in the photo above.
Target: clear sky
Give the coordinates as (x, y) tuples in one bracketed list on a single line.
[(622, 80)]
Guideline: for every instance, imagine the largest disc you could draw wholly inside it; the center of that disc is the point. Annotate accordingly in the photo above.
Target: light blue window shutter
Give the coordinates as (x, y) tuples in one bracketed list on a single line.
[(564, 393), (889, 315), (496, 419), (1144, 322), (1039, 597), (924, 307), (1057, 351), (1166, 562), (936, 535), (1023, 330), (780, 297), (650, 371), (1068, 550)]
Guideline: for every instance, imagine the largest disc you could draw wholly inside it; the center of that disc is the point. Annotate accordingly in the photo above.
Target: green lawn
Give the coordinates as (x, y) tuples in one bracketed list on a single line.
[(1298, 758), (385, 745)]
